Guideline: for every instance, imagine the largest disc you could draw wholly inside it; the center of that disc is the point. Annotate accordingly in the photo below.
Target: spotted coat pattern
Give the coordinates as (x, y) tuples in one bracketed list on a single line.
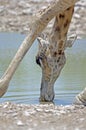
[(51, 55)]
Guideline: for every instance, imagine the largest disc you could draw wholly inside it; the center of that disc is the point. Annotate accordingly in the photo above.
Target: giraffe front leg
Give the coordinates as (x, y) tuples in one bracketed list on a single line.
[(81, 98)]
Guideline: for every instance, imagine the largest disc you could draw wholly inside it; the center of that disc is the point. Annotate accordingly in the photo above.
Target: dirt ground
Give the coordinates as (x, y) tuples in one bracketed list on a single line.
[(42, 117), (16, 16)]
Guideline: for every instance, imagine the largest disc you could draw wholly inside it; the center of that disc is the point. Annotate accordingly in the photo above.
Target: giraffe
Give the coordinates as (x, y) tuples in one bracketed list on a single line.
[(80, 98), (37, 27), (51, 53)]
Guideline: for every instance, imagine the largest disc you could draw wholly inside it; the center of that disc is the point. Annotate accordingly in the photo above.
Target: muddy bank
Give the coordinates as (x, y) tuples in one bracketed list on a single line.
[(16, 15), (42, 117)]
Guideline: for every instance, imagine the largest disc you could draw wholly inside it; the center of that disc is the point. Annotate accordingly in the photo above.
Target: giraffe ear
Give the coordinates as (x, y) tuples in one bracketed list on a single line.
[(71, 40), (41, 42)]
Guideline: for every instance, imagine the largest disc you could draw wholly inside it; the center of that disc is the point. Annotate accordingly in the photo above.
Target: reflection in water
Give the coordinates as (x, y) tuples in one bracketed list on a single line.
[(25, 85)]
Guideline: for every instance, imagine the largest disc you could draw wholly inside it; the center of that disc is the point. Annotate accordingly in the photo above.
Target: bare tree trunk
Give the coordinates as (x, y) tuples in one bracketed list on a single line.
[(39, 24)]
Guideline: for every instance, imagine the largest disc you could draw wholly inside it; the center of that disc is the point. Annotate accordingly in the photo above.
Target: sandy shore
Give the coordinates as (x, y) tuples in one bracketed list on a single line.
[(42, 117), (16, 16)]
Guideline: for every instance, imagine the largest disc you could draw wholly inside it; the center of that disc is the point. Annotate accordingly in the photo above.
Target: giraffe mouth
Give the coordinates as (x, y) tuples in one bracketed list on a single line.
[(47, 91)]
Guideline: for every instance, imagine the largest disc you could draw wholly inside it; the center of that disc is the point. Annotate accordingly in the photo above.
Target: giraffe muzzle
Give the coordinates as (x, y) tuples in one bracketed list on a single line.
[(47, 91)]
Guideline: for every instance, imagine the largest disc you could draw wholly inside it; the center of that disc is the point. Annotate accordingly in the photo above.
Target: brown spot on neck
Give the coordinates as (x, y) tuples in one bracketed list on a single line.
[(60, 45), (72, 10), (61, 15), (55, 54), (68, 8), (57, 29), (66, 23), (60, 52)]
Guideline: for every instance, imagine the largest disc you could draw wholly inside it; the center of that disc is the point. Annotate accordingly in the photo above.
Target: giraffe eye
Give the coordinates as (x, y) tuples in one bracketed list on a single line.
[(38, 60)]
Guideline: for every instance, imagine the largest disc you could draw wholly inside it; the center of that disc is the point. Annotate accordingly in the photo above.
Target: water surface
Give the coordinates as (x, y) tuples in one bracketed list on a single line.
[(25, 84)]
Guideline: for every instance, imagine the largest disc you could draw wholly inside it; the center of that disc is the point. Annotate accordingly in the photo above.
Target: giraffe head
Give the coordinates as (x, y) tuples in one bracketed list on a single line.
[(51, 66)]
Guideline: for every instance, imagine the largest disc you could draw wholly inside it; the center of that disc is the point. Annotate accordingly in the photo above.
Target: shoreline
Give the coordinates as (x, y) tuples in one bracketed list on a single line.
[(43, 116)]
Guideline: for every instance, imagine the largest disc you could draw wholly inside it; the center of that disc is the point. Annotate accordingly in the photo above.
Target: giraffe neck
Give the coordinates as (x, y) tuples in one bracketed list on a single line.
[(59, 32)]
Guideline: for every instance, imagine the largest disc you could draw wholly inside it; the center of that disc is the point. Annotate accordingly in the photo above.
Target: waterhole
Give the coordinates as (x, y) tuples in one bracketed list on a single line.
[(25, 84)]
